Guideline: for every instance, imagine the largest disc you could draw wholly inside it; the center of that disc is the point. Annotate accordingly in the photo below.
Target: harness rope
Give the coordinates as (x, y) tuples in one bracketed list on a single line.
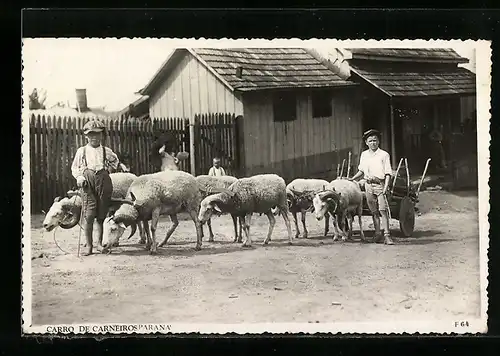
[(79, 235)]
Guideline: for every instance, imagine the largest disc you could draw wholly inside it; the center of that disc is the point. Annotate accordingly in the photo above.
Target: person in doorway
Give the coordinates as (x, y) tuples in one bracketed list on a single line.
[(216, 170), (91, 167), (375, 167), (436, 136)]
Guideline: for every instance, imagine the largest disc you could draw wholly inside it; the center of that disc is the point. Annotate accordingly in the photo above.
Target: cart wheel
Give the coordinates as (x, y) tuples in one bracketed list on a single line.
[(407, 216)]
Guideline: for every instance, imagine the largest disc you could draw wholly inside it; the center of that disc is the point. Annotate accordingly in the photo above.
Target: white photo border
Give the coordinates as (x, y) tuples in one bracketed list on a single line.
[(449, 327)]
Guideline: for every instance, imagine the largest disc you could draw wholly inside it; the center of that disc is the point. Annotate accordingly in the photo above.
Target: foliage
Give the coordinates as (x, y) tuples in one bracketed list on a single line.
[(37, 100)]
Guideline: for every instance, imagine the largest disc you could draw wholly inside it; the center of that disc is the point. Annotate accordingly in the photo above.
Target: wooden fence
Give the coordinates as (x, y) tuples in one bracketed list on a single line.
[(215, 136), (54, 141)]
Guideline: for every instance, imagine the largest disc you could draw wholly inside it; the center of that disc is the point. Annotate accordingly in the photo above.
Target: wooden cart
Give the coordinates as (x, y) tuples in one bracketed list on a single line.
[(402, 199)]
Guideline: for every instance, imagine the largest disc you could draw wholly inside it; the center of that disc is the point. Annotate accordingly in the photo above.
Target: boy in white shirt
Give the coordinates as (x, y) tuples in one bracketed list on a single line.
[(91, 167), (216, 170), (375, 166)]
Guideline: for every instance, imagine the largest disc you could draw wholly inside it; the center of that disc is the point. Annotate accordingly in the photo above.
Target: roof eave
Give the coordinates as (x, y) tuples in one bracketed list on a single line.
[(146, 90), (370, 82), (287, 87), (210, 69), (410, 59)]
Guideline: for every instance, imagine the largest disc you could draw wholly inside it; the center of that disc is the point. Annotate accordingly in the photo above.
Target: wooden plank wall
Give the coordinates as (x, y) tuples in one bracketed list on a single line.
[(307, 147), (192, 89)]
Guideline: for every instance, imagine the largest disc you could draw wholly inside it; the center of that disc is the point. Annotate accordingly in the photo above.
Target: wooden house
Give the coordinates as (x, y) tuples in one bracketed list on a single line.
[(418, 97), (139, 109), (296, 117)]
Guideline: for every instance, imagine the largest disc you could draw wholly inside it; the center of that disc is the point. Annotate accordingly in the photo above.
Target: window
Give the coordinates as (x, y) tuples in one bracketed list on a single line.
[(321, 103), (284, 106)]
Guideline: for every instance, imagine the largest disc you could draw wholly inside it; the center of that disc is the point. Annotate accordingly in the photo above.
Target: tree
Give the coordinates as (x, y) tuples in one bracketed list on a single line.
[(37, 101)]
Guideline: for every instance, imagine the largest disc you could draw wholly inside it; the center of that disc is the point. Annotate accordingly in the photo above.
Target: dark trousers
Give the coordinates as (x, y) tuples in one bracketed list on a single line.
[(96, 197)]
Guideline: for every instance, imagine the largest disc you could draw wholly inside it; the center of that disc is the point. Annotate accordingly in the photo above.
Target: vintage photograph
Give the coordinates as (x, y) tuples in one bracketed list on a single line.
[(255, 186)]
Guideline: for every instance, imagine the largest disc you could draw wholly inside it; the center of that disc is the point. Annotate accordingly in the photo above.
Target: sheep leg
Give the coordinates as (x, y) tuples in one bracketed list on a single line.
[(360, 221), (171, 229), (327, 224), (241, 220), (336, 228), (350, 218), (240, 238), (148, 239), (305, 233), (272, 222), (297, 232), (211, 236), (343, 229), (142, 233), (248, 238), (284, 213), (235, 224), (197, 223), (155, 217)]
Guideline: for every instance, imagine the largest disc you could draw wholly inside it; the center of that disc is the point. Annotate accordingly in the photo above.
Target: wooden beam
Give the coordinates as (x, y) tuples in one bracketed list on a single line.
[(393, 135), (192, 157)]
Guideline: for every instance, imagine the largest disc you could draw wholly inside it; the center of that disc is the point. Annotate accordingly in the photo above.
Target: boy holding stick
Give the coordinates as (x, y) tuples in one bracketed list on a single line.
[(91, 167), (375, 166)]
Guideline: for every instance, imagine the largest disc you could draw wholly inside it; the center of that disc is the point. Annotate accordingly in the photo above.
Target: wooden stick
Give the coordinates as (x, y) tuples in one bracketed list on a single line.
[(396, 176), (349, 165), (342, 170), (407, 175), (423, 175), (338, 169)]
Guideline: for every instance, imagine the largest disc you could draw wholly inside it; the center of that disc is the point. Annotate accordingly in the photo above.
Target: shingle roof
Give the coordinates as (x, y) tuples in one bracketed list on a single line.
[(436, 55), (427, 82), (268, 68)]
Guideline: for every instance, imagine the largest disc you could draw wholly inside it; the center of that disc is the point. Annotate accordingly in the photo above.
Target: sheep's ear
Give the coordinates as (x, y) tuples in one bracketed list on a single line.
[(132, 196), (122, 225)]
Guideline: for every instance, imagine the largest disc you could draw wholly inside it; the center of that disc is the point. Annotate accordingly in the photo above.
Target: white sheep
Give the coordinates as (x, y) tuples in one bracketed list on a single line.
[(300, 200), (256, 194), (207, 183), (65, 212), (152, 195), (341, 198)]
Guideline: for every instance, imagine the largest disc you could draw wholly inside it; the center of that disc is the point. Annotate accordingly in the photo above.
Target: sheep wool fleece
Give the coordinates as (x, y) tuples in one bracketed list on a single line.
[(96, 196)]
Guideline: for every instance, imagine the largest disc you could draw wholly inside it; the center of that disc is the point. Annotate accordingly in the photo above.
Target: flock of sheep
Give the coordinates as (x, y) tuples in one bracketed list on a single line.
[(139, 201)]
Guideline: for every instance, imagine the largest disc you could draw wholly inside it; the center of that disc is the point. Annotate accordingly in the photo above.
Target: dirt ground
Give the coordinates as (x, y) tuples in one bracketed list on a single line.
[(434, 274)]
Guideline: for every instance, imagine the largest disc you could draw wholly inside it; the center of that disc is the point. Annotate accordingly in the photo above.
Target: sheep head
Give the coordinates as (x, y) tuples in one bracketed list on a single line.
[(212, 204), (115, 225), (303, 198), (326, 200), (64, 212)]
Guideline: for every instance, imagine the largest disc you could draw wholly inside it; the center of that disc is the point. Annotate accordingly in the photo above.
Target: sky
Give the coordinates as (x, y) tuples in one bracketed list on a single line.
[(111, 70)]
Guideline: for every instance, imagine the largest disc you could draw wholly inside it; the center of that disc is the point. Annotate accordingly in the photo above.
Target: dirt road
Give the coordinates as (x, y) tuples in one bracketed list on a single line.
[(434, 274)]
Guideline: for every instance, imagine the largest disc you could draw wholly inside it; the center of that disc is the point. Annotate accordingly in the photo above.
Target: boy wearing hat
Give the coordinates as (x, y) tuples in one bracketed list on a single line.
[(91, 167), (375, 166)]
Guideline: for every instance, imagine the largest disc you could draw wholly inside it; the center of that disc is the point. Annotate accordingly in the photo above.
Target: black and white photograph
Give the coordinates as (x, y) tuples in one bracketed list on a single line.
[(255, 186)]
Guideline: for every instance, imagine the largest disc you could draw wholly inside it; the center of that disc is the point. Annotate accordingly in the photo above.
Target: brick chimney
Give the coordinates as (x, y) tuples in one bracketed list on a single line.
[(81, 100)]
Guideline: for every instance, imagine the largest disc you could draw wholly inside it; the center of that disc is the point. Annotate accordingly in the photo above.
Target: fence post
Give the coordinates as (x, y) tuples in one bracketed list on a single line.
[(192, 155)]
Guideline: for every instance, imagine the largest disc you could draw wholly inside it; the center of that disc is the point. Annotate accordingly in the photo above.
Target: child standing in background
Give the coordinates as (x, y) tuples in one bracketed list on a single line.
[(216, 170)]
